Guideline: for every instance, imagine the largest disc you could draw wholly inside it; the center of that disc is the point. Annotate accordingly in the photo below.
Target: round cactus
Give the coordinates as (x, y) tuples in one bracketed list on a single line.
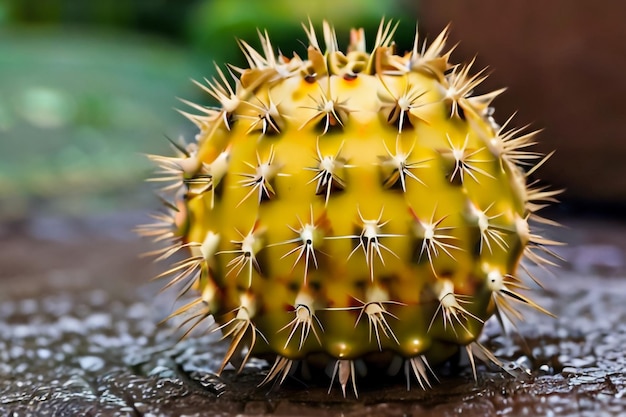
[(360, 206)]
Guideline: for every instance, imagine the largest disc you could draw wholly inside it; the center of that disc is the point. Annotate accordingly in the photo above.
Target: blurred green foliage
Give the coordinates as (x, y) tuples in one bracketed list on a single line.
[(167, 17), (76, 110), (216, 24), (212, 25)]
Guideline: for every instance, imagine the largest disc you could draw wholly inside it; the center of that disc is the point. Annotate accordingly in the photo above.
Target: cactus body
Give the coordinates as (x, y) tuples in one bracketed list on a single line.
[(350, 206)]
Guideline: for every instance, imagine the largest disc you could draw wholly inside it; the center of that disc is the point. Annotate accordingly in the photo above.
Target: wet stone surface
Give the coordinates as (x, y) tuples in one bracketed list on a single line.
[(79, 336)]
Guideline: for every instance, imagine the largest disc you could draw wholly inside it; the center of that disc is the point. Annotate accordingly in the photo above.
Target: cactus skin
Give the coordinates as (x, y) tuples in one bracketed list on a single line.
[(351, 206)]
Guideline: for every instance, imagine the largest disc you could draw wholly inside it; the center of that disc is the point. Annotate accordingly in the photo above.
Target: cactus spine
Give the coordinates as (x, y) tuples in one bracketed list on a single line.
[(350, 204)]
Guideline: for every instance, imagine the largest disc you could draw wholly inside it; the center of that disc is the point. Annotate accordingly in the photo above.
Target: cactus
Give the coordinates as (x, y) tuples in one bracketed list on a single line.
[(359, 207)]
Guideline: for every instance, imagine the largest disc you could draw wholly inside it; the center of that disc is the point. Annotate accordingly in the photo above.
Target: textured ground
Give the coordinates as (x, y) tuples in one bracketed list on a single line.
[(78, 336)]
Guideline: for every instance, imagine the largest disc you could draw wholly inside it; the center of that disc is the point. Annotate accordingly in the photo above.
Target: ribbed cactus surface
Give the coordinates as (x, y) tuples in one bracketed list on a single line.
[(346, 206)]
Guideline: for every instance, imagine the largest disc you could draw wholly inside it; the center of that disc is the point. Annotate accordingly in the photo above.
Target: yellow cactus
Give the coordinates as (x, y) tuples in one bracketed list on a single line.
[(349, 204)]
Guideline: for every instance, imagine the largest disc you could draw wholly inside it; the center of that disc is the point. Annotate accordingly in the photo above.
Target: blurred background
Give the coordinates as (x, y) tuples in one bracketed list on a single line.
[(86, 87)]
